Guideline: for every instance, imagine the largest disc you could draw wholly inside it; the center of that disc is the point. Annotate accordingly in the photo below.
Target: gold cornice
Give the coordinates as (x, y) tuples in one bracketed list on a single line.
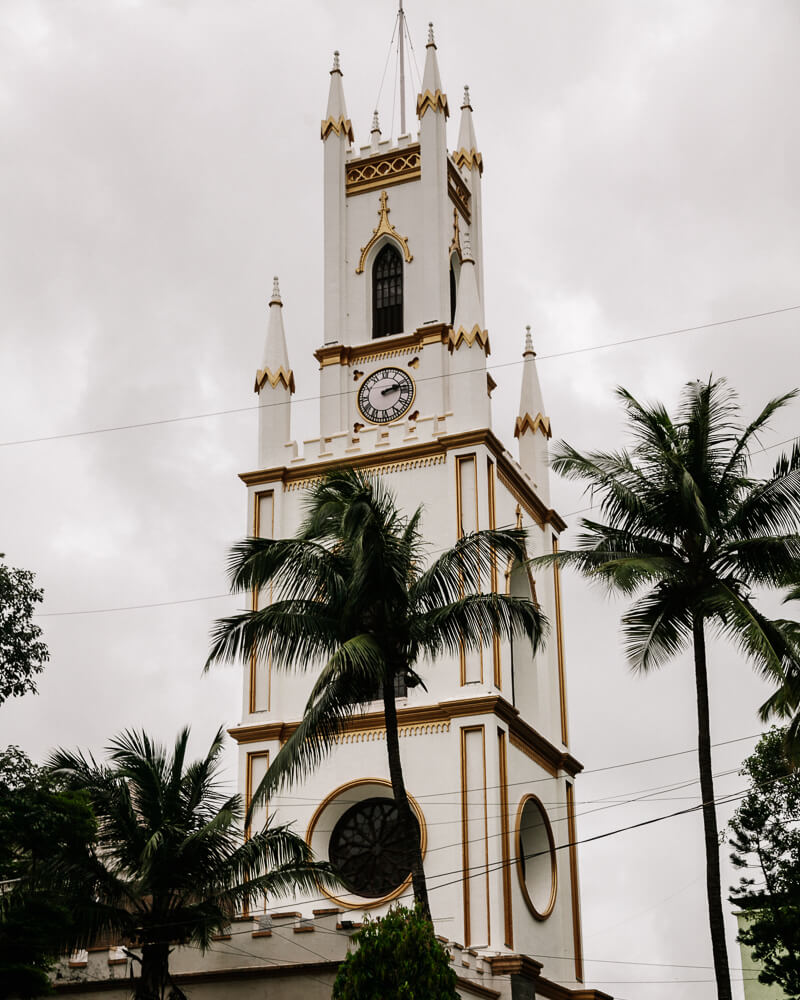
[(470, 159), (521, 734), (384, 347), (398, 166), (514, 965), (264, 375), (468, 337), (533, 424), (384, 228), (339, 126), (436, 102), (510, 475)]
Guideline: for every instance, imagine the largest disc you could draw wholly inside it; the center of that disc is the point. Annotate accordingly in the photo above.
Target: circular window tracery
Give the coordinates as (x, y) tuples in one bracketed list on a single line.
[(536, 858), (370, 849)]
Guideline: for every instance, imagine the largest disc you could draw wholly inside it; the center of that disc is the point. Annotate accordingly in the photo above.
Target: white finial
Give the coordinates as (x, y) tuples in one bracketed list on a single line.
[(276, 293), (466, 102), (336, 68), (430, 34), (528, 343), (375, 124)]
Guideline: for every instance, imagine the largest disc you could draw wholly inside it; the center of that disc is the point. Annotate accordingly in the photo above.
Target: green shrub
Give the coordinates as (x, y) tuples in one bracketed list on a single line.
[(397, 956)]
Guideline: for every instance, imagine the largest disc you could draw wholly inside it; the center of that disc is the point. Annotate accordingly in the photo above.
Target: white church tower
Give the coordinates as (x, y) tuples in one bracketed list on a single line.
[(405, 393)]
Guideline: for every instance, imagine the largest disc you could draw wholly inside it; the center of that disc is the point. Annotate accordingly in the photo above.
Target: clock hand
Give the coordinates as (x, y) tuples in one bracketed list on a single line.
[(388, 389)]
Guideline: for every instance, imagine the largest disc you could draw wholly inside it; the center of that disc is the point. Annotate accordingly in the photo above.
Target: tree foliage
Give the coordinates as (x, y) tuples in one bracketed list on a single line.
[(765, 842), (169, 864), (22, 652), (354, 599), (398, 956), (45, 832), (689, 534)]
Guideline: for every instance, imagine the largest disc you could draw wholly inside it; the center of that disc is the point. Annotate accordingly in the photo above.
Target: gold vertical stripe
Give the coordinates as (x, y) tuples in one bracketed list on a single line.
[(486, 841), (573, 879), (465, 836), (508, 922), (248, 798), (562, 688), (498, 674), (460, 460), (258, 499)]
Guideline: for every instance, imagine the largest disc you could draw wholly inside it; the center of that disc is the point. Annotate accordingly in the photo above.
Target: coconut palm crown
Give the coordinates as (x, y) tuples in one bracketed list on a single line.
[(170, 865), (354, 601), (689, 532)]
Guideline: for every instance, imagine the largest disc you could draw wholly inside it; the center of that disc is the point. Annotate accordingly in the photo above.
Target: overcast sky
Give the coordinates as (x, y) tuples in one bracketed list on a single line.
[(160, 161)]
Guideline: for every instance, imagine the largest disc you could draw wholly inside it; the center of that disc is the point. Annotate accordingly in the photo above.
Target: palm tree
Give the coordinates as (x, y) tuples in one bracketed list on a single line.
[(686, 524), (352, 597), (169, 865)]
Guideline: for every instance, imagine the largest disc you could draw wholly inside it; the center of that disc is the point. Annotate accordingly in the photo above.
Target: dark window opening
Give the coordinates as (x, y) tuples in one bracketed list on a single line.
[(452, 293), (387, 293)]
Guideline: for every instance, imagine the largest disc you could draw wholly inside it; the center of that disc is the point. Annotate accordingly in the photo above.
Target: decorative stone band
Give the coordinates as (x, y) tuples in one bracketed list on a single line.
[(533, 424), (395, 167), (339, 126), (469, 337), (431, 719), (436, 102), (264, 375), (468, 159), (384, 228)]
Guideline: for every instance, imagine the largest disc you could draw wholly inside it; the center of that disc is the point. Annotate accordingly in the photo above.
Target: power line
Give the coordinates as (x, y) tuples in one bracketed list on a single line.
[(138, 425)]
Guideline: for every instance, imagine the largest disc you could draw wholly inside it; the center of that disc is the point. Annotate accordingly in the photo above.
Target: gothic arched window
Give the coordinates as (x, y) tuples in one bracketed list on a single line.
[(387, 292)]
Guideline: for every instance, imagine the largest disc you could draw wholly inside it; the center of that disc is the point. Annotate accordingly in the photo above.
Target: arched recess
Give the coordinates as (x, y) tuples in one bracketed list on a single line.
[(387, 290), (524, 681), (455, 269)]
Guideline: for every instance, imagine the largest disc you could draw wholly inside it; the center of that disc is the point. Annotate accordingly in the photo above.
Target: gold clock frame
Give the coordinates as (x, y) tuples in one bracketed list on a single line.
[(386, 368)]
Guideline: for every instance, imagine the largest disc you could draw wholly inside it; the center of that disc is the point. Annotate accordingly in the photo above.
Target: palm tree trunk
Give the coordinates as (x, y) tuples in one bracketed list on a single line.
[(407, 818), (713, 886), (155, 972)]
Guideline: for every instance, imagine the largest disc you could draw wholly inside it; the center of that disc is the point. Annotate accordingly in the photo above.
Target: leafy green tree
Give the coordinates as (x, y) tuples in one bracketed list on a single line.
[(169, 865), (352, 597), (41, 827), (397, 956), (765, 841), (22, 652), (692, 533)]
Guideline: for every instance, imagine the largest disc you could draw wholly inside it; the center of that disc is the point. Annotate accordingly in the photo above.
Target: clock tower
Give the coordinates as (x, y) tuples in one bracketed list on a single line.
[(405, 393)]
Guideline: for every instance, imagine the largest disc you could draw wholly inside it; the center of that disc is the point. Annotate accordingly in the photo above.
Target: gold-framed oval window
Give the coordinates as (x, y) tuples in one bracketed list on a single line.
[(536, 857)]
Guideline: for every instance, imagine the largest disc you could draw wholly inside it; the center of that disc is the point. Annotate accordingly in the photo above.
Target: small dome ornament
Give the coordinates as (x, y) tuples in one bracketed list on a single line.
[(336, 67), (431, 40), (466, 103), (529, 351), (375, 123), (276, 293)]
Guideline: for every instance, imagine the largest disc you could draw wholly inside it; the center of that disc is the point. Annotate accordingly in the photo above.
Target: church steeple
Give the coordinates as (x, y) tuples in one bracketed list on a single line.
[(274, 385), (336, 120), (470, 343), (337, 134), (431, 95), (469, 160), (532, 427)]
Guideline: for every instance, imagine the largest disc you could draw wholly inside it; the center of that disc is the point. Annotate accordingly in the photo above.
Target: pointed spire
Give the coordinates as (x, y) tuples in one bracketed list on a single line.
[(432, 95), (276, 356), (468, 319), (467, 150), (375, 132), (336, 120), (531, 404)]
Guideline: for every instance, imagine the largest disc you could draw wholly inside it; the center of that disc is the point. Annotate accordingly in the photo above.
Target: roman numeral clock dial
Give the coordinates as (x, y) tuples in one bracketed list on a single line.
[(386, 395)]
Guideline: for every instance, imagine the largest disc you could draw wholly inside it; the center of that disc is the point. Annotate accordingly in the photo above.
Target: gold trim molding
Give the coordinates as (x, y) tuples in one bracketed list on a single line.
[(412, 717), (264, 375), (396, 167), (508, 472), (468, 337), (436, 102), (470, 159), (384, 347), (384, 228), (380, 470), (533, 424), (339, 126), (458, 192)]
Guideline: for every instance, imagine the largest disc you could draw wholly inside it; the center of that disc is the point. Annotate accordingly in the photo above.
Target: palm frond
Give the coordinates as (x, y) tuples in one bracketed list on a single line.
[(471, 621), (656, 627)]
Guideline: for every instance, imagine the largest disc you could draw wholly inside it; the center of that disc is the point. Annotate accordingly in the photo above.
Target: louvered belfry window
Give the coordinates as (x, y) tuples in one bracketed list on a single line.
[(387, 293)]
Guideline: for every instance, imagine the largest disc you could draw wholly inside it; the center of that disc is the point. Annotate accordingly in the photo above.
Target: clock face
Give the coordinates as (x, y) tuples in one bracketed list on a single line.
[(386, 395)]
